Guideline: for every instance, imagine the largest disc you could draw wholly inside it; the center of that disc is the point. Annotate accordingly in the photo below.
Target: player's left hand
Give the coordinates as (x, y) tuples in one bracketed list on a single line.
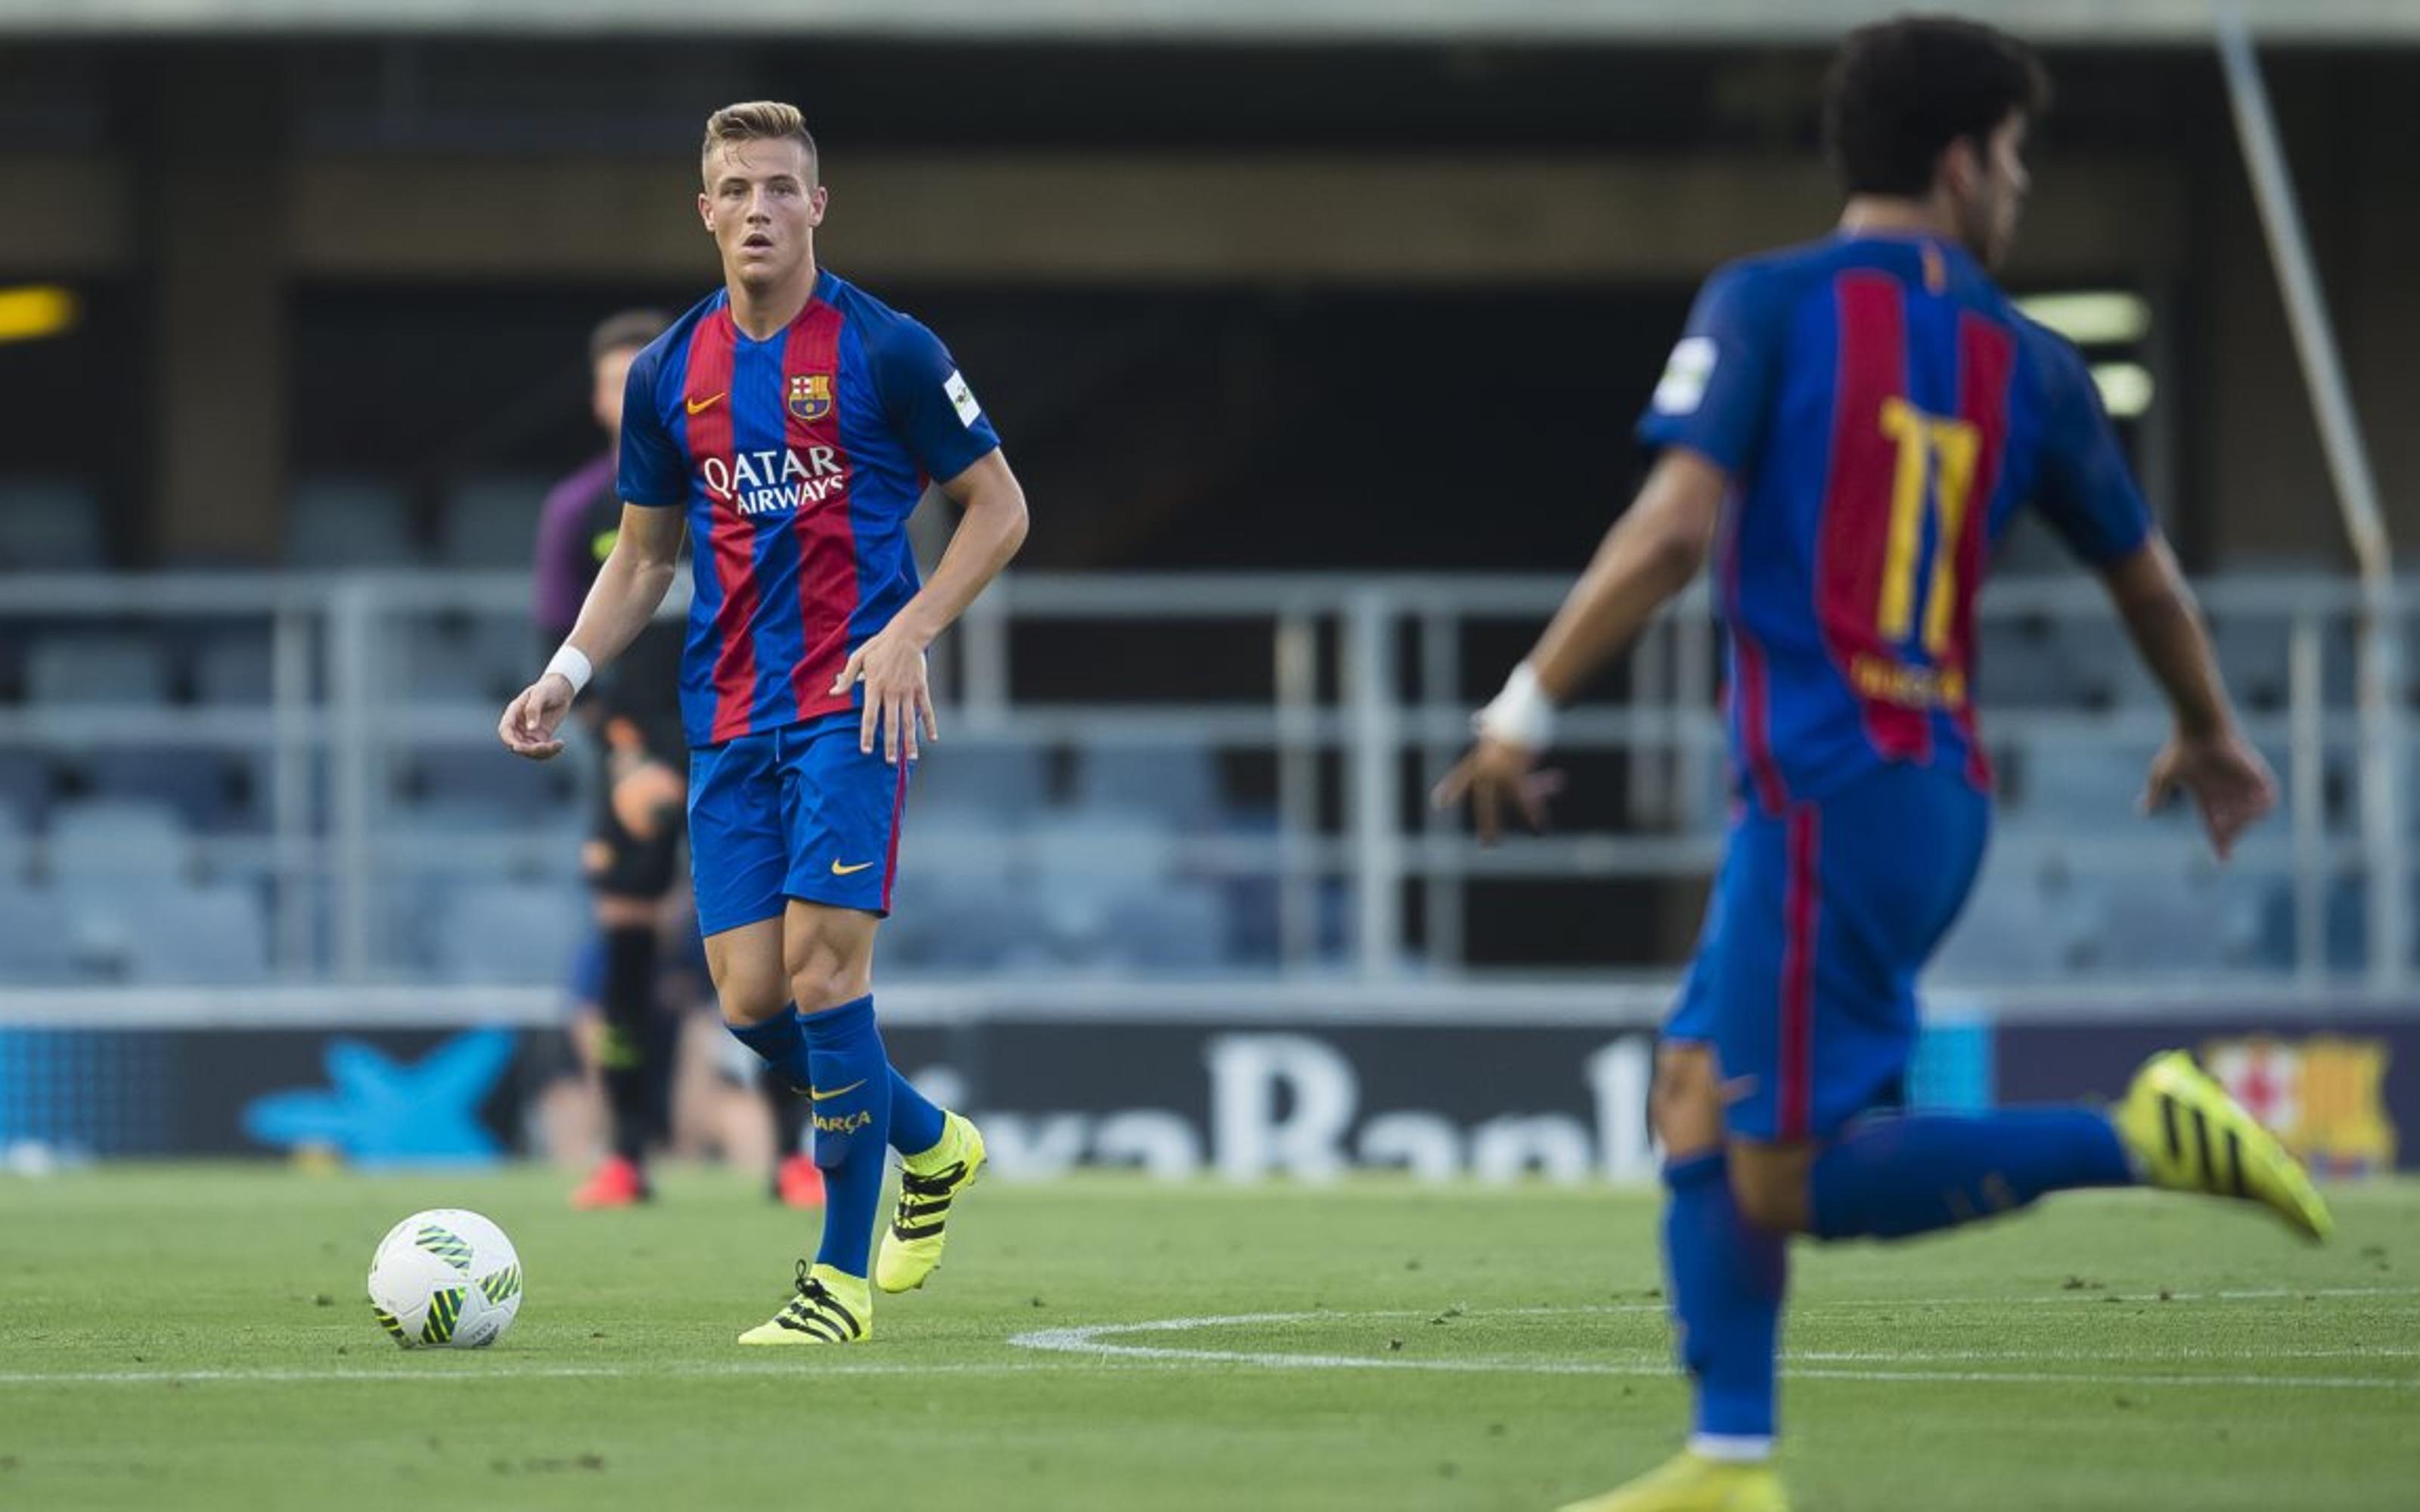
[(2225, 777), (898, 698), (1493, 773)]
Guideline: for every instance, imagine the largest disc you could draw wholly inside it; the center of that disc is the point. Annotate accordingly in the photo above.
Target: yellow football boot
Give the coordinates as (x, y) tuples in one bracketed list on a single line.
[(2188, 1135), (1689, 1482), (928, 1183), (832, 1307)]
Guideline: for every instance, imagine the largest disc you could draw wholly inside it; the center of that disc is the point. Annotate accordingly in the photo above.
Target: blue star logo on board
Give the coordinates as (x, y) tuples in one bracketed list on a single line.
[(810, 395), (381, 1111)]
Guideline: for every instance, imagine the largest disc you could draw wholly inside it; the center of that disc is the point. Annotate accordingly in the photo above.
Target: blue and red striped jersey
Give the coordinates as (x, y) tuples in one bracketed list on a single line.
[(798, 460), (1883, 411)]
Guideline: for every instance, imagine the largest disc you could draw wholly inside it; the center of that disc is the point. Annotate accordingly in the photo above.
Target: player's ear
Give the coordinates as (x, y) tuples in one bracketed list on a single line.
[(706, 210), (818, 200), (1961, 164)]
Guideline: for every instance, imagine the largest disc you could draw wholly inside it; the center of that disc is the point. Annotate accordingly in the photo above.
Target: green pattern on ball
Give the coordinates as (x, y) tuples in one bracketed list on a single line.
[(445, 1245), (500, 1285), (444, 1307), (392, 1324)]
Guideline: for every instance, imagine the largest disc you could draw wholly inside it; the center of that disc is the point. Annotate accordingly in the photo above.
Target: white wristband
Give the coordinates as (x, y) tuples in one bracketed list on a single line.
[(1522, 715), (572, 663)]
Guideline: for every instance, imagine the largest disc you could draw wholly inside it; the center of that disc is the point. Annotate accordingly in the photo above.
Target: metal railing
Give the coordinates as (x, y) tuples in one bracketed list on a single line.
[(1365, 698)]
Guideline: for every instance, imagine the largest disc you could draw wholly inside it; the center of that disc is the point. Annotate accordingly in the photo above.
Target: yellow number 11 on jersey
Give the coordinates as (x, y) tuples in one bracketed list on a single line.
[(1940, 453)]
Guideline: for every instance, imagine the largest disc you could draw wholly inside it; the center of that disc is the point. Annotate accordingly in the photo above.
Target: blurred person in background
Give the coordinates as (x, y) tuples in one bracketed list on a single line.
[(1848, 426), (631, 857), (792, 422)]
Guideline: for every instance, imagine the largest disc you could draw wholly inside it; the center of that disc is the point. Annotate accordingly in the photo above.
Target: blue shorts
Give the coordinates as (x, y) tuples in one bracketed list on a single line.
[(1821, 917), (794, 812)]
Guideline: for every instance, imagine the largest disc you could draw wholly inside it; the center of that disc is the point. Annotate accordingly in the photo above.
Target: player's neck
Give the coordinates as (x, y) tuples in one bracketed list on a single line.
[(1892, 215), (761, 314)]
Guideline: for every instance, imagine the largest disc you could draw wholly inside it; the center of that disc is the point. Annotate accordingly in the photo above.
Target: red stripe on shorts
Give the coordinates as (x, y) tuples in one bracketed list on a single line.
[(1802, 910)]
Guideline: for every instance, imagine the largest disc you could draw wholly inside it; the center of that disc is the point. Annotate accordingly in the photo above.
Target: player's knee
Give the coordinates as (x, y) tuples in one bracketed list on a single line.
[(748, 997), (816, 990), (745, 1010), (1684, 1106), (824, 975), (1769, 1184)]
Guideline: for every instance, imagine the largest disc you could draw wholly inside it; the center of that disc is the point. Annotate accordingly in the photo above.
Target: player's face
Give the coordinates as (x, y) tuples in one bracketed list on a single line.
[(1994, 195), (762, 204), (612, 371)]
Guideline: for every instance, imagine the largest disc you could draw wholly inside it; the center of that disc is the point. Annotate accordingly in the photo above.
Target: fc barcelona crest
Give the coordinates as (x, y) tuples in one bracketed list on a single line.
[(810, 395)]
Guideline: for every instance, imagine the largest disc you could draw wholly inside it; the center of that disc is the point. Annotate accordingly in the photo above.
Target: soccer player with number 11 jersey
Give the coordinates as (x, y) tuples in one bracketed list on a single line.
[(790, 423), (1844, 429)]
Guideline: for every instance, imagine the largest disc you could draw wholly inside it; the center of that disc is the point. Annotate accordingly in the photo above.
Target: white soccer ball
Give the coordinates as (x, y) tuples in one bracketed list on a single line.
[(445, 1278)]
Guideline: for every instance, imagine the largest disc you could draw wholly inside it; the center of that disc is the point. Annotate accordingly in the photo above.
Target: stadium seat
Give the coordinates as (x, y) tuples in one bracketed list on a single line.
[(49, 526), (2183, 923), (25, 783), (1089, 863), (438, 663), (508, 932), (491, 522), (131, 840), (486, 776), (36, 947), (2101, 663), (214, 936), (349, 522), (958, 904), (78, 669), (2080, 788), (16, 855), (2015, 929), (199, 784), (2020, 665), (1177, 927), (985, 776), (234, 667), (2255, 651), (1179, 783)]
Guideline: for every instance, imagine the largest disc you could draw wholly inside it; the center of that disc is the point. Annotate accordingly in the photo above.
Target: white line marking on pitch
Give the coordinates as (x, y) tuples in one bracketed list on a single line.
[(506, 1368), (1092, 1340), (1085, 1342)]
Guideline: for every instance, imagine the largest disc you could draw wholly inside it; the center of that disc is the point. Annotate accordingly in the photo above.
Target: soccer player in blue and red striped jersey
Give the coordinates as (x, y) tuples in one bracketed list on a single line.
[(1845, 429), (790, 423)]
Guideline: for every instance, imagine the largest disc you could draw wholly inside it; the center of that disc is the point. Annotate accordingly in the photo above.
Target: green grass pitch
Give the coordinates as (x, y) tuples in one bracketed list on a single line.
[(197, 1338)]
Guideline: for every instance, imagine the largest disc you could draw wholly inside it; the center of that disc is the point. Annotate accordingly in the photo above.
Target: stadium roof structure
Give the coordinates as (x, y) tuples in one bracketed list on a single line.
[(1717, 22)]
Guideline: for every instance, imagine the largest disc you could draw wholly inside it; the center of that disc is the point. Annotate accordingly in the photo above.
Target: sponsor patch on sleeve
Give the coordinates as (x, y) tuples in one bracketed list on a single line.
[(962, 398), (1682, 387)]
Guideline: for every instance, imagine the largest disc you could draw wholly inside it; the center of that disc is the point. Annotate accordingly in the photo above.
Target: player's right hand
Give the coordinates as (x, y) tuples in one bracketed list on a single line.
[(1492, 774), (2228, 779), (530, 720)]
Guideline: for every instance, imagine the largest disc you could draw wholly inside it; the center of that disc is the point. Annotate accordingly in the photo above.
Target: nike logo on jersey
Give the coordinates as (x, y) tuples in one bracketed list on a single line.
[(815, 1096), (840, 871), (698, 406)]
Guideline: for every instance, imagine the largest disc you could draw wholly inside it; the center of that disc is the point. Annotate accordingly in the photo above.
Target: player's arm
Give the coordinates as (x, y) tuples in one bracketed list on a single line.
[(2207, 756), (898, 698), (2088, 495), (1704, 424), (633, 580), (1650, 555), (929, 407)]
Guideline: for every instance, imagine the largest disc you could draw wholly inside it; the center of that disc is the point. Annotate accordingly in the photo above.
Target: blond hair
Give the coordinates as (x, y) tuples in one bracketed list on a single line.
[(759, 121)]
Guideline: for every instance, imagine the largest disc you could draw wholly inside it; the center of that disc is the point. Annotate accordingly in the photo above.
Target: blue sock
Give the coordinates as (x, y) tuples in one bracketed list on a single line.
[(781, 1042), (852, 1120), (915, 1118), (1895, 1176), (1726, 1278)]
